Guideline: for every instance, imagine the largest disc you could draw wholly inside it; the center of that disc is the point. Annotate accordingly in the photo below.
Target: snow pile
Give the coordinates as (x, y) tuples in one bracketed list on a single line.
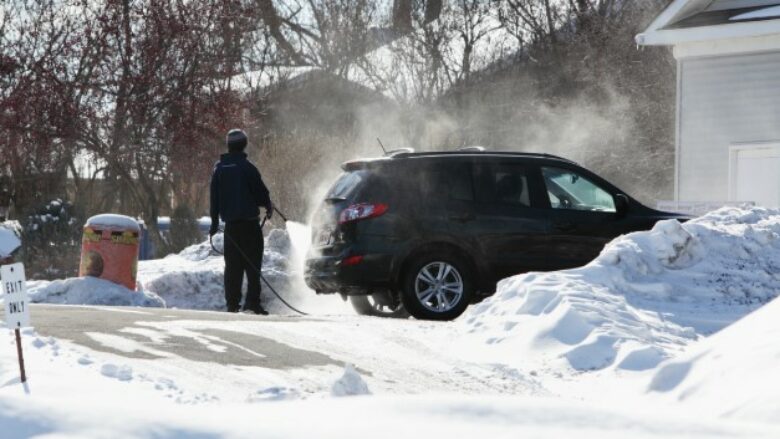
[(648, 294), (350, 384), (732, 373), (89, 291), (9, 238), (194, 278)]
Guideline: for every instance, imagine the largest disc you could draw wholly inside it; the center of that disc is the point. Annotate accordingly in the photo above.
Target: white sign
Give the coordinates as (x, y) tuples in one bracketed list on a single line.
[(17, 314)]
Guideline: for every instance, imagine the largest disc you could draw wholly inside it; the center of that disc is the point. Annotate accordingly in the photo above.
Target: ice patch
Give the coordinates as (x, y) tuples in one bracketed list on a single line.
[(122, 373), (350, 384), (274, 394)]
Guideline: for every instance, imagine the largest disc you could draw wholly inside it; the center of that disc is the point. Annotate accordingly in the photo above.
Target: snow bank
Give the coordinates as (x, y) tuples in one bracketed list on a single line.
[(89, 291), (193, 278), (386, 417), (733, 373), (648, 294)]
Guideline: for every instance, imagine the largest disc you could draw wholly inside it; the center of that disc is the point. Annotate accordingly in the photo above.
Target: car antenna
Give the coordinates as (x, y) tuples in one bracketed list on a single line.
[(382, 146)]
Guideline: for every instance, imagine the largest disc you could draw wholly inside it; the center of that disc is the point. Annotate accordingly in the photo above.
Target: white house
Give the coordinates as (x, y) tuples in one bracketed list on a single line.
[(728, 97)]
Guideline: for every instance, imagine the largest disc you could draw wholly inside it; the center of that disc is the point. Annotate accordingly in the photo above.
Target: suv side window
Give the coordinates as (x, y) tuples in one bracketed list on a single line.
[(461, 183), (569, 190), (507, 185)]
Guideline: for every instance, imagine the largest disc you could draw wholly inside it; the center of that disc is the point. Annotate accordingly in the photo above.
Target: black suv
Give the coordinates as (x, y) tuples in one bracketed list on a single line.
[(430, 233)]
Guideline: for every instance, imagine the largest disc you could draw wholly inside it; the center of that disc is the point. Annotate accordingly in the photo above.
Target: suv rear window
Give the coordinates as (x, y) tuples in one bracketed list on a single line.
[(453, 182), (346, 185)]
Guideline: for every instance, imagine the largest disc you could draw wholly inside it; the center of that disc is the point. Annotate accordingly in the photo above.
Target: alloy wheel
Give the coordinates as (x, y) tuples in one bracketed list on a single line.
[(439, 287)]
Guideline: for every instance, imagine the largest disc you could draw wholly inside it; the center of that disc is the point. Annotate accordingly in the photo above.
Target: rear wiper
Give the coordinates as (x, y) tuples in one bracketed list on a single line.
[(335, 199)]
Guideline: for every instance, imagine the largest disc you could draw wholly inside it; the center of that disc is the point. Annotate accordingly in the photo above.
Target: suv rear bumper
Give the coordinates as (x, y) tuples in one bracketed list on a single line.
[(328, 274)]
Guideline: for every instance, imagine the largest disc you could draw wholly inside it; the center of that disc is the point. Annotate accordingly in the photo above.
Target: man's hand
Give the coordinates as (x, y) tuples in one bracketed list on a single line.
[(269, 210), (213, 229)]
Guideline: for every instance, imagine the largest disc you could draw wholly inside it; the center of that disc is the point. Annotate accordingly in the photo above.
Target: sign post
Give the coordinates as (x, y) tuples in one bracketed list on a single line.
[(17, 313)]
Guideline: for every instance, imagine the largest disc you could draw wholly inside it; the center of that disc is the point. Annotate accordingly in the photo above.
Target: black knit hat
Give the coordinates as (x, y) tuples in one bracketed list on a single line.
[(236, 140)]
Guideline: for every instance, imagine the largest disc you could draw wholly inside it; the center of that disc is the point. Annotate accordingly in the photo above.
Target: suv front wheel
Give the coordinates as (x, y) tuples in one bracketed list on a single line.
[(437, 287)]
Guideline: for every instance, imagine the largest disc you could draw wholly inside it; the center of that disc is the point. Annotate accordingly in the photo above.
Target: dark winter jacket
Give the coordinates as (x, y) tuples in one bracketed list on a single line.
[(237, 189)]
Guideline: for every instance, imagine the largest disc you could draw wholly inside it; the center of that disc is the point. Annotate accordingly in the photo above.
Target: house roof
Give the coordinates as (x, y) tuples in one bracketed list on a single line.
[(706, 20)]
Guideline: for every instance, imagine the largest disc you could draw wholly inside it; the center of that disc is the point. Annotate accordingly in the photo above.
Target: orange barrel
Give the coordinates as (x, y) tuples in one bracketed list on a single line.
[(109, 249)]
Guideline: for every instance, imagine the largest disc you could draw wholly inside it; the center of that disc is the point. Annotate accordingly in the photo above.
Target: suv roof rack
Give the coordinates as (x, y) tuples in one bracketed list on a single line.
[(399, 151), (409, 153), (472, 149), (490, 153)]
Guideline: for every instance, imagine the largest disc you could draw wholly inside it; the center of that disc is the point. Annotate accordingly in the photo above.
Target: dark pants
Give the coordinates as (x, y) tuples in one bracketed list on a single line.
[(243, 255)]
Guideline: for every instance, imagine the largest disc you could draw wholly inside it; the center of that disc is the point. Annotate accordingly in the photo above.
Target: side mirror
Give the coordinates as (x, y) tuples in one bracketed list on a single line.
[(621, 204)]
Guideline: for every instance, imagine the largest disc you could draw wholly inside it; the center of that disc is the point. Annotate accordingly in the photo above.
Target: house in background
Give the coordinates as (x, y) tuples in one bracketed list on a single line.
[(728, 98)]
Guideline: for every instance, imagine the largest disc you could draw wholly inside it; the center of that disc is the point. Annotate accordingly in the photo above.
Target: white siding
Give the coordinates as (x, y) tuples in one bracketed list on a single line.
[(723, 101)]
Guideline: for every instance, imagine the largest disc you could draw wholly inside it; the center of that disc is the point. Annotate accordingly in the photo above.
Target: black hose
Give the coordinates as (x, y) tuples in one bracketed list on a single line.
[(251, 264), (280, 214)]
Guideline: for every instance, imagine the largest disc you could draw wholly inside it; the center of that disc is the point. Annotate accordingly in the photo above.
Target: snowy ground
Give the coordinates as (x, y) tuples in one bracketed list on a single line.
[(623, 347)]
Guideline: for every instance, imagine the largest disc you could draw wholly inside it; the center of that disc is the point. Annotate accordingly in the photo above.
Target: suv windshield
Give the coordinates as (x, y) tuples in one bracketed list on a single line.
[(569, 190), (346, 185)]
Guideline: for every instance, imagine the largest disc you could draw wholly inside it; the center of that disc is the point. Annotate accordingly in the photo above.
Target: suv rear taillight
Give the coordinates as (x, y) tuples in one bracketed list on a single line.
[(362, 211)]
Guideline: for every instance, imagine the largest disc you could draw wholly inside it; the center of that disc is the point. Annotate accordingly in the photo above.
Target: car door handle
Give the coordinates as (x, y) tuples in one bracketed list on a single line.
[(565, 227), (463, 218)]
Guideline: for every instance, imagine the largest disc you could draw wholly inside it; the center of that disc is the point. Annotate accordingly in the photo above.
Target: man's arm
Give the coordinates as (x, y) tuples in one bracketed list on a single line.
[(259, 190), (214, 196)]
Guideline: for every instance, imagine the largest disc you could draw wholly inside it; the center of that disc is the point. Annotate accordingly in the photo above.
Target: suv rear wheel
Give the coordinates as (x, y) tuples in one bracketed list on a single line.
[(379, 305), (437, 287)]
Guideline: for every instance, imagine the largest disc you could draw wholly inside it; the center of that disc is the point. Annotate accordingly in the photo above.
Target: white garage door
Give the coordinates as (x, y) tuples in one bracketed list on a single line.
[(754, 174)]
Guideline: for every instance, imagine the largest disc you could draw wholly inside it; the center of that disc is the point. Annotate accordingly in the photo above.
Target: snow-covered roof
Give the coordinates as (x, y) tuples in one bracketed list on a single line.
[(686, 21)]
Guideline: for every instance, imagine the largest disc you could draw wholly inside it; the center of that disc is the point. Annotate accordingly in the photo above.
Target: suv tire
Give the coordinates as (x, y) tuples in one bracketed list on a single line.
[(369, 306), (436, 286)]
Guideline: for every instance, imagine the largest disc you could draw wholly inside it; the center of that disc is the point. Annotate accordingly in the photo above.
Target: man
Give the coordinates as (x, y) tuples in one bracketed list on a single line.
[(237, 191)]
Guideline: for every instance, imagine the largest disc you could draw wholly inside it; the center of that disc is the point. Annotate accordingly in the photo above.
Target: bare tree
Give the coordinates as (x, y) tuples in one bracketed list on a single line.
[(141, 90), (40, 94)]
